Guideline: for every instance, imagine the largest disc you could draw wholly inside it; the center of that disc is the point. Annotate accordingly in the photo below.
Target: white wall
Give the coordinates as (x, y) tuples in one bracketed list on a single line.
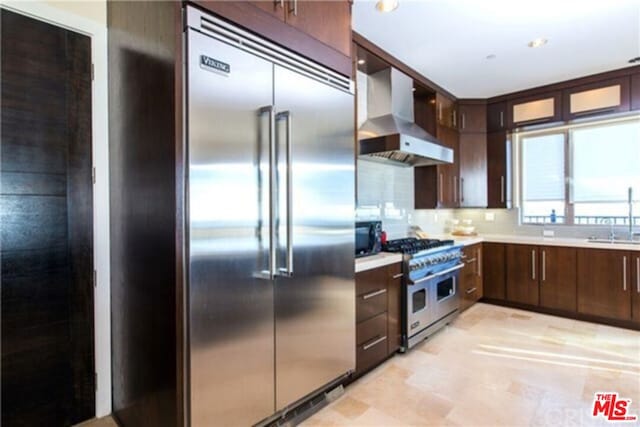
[(89, 17)]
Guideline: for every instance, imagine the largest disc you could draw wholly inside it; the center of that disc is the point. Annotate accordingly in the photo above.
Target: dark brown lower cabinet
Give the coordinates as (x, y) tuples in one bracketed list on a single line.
[(493, 271), (471, 276), (604, 283), (558, 278), (635, 286), (378, 315), (522, 274)]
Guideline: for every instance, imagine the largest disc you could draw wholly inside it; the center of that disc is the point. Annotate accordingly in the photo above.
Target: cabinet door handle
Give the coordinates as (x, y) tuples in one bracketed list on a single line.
[(638, 274), (374, 294), (472, 290), (461, 189), (479, 268), (397, 276), (502, 189), (471, 260), (441, 188), (462, 119), (455, 189), (440, 111), (371, 344), (624, 273), (501, 119), (294, 9), (544, 266), (454, 118), (533, 264), (281, 2)]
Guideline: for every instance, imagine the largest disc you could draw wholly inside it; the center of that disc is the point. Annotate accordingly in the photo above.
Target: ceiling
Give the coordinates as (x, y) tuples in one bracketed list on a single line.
[(448, 41)]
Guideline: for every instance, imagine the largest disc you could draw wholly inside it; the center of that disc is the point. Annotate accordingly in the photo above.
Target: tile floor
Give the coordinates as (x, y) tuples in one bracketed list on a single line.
[(493, 366)]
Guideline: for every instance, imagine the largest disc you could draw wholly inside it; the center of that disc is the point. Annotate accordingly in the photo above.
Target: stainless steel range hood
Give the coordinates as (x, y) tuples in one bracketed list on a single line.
[(389, 133)]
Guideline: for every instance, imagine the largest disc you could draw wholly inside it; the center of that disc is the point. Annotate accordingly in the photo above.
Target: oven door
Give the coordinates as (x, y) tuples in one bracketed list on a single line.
[(420, 307), (445, 293)]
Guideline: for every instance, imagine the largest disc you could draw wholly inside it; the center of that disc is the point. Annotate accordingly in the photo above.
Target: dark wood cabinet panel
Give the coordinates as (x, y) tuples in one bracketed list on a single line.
[(604, 283), (635, 286), (493, 271), (472, 117), (425, 187), (624, 98), (635, 92), (445, 111), (496, 116), (498, 170), (321, 32), (473, 170), (394, 307), (558, 278), (275, 8), (522, 274), (327, 21)]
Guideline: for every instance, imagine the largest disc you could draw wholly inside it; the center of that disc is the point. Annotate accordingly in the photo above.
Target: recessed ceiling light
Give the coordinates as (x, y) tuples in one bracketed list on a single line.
[(361, 61), (538, 42), (634, 60), (386, 5), (492, 56)]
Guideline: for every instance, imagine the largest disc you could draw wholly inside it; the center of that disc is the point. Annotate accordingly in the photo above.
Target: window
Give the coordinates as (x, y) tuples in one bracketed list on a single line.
[(581, 174)]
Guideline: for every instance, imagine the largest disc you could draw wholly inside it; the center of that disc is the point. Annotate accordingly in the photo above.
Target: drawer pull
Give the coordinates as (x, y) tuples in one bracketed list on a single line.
[(397, 276), (471, 260), (371, 344), (374, 294), (472, 290)]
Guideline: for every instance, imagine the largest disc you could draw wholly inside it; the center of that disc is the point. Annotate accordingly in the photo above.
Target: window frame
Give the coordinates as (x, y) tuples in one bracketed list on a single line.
[(567, 131)]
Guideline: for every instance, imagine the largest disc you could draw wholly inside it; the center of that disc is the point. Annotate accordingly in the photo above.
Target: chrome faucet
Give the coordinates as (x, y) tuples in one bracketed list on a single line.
[(612, 231)]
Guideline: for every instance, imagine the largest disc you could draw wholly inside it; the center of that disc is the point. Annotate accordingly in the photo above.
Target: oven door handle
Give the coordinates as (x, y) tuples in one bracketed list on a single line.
[(449, 270)]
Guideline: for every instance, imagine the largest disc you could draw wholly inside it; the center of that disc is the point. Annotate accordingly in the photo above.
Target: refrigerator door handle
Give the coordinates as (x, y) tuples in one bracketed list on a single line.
[(287, 271), (270, 273)]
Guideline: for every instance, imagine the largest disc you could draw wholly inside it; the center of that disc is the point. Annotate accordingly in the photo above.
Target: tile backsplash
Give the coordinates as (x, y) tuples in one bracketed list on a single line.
[(385, 193)]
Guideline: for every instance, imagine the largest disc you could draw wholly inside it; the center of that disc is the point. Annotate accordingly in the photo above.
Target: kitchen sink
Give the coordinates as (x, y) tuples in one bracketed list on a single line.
[(614, 241)]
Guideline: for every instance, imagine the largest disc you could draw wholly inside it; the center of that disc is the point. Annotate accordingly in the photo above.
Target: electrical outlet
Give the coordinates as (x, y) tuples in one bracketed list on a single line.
[(489, 216), (548, 233)]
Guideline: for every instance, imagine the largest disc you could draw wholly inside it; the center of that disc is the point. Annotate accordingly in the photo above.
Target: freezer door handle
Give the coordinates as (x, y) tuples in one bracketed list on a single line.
[(269, 274), (287, 271)]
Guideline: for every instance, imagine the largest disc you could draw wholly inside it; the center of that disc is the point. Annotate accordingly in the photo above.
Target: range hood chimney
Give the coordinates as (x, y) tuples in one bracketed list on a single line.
[(389, 134)]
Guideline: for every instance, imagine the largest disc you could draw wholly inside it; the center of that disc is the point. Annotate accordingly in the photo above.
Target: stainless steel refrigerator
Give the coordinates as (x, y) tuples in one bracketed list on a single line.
[(271, 293)]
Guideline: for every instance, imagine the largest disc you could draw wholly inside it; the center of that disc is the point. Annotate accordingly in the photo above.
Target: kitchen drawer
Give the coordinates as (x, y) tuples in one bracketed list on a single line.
[(394, 271), (368, 330), (371, 353), (371, 304), (371, 280)]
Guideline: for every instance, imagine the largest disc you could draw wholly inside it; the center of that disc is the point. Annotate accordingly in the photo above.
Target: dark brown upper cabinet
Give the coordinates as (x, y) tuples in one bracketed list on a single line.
[(319, 30), (472, 116), (603, 97), (635, 92), (446, 111), (497, 116), (326, 21), (473, 170), (535, 109)]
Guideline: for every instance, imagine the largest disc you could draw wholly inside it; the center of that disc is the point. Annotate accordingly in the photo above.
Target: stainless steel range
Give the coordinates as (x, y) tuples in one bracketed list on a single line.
[(431, 298)]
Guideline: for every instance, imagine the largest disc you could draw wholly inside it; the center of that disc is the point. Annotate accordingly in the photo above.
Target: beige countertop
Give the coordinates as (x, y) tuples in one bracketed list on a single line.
[(378, 260)]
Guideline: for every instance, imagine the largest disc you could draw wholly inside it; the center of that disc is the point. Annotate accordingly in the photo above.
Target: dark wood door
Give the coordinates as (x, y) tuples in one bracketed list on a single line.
[(445, 111), (558, 278), (394, 307), (46, 199), (276, 8), (496, 116), (497, 167), (635, 286), (449, 175), (522, 274), (473, 170), (493, 271), (604, 283), (327, 21)]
